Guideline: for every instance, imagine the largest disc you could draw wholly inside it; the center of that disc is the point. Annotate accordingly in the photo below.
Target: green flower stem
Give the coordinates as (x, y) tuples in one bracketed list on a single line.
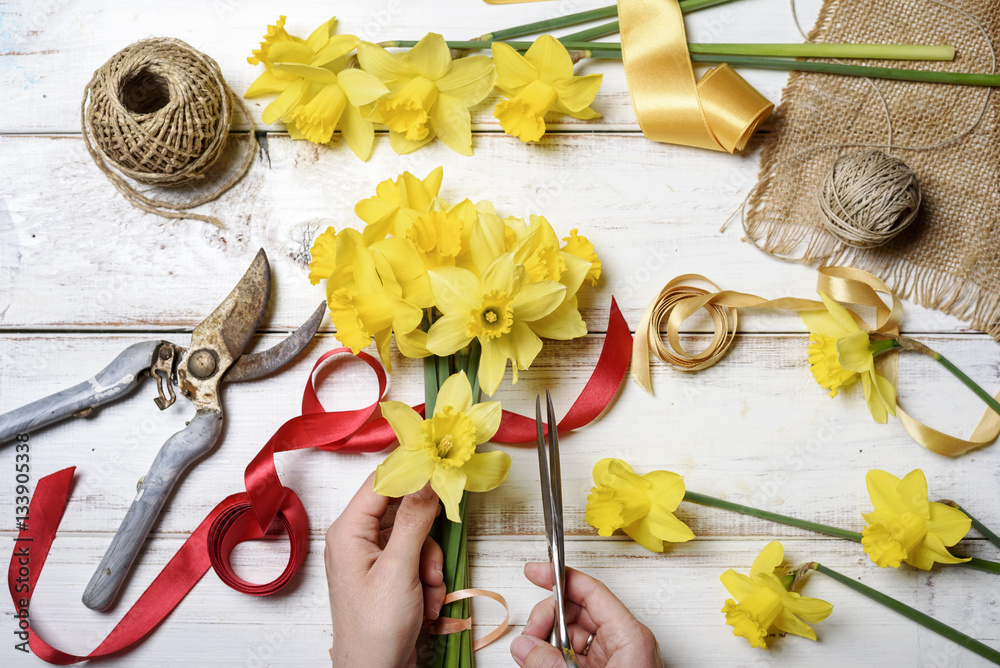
[(979, 526), (472, 370), (547, 25), (910, 344), (915, 615), (596, 32), (982, 565), (702, 499)]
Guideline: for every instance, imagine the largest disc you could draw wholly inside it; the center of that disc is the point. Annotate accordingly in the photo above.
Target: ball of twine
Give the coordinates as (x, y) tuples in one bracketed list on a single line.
[(159, 113), (868, 197)]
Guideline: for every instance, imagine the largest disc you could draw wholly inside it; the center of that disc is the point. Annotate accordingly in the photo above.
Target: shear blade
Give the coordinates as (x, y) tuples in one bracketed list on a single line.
[(237, 318), (256, 365)]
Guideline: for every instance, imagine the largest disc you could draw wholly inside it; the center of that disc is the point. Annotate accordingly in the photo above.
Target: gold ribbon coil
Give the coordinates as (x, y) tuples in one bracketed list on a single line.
[(679, 300)]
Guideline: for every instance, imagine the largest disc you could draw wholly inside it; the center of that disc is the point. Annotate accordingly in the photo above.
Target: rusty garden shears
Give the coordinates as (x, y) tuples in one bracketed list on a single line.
[(552, 506), (215, 355)]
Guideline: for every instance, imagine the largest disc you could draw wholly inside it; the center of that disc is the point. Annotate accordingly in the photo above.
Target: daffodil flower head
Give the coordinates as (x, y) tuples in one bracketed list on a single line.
[(317, 92), (397, 204), (905, 526), (429, 93), (538, 82), (641, 506), (581, 247), (442, 449), (765, 606), (840, 352), (500, 309)]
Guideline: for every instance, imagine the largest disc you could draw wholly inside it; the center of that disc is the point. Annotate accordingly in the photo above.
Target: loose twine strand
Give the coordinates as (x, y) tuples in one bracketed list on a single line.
[(159, 113)]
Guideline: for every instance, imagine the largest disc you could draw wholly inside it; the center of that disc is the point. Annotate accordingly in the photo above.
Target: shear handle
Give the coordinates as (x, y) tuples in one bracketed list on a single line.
[(116, 380), (177, 454)]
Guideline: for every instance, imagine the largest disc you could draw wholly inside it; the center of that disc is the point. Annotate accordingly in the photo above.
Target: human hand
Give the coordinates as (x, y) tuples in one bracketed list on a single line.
[(381, 589), (619, 638)]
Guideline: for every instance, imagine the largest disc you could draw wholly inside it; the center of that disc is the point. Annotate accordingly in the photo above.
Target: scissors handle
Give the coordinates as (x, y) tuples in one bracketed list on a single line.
[(177, 454)]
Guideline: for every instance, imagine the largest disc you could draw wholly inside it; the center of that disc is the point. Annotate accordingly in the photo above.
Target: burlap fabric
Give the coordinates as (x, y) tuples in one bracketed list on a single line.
[(949, 259)]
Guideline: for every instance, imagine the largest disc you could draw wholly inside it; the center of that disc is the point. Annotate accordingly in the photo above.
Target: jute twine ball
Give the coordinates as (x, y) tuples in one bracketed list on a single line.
[(868, 197), (159, 113)]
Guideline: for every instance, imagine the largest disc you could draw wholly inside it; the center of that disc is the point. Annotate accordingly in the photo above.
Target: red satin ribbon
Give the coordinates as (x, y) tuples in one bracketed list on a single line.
[(247, 516)]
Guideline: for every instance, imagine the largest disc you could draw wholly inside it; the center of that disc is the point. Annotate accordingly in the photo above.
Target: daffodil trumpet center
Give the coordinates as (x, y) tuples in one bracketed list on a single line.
[(753, 616), (449, 437), (493, 318), (408, 111)]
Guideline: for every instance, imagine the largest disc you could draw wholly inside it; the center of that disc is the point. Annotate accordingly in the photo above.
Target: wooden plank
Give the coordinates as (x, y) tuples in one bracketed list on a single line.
[(676, 594), (50, 50), (754, 429), (72, 249)]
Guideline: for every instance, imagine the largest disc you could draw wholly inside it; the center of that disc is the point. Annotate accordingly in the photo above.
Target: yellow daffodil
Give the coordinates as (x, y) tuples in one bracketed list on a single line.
[(438, 235), (765, 606), (905, 526), (370, 304), (538, 82), (500, 309), (840, 352), (397, 204), (318, 92), (430, 94), (641, 506), (442, 449)]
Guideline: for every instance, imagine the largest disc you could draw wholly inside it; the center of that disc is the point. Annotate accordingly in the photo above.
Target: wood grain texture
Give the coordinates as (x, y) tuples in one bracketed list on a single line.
[(83, 275)]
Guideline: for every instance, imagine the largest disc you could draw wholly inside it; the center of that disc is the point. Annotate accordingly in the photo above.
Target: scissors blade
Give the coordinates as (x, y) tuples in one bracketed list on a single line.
[(237, 317), (543, 474)]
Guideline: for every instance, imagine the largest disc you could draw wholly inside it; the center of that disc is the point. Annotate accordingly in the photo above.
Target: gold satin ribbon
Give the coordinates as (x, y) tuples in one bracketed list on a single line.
[(445, 625), (679, 300), (721, 112)]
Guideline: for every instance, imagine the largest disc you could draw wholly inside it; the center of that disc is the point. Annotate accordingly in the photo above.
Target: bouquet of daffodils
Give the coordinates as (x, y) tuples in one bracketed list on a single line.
[(468, 291)]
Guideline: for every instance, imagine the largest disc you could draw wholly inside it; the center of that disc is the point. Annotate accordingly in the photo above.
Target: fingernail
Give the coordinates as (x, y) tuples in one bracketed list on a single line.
[(437, 569), (520, 647)]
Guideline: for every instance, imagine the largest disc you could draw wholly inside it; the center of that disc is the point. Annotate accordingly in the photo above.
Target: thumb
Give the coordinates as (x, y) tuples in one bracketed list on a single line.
[(532, 652), (409, 530)]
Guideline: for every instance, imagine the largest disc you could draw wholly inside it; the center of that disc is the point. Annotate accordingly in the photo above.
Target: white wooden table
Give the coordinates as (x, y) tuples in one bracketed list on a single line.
[(83, 274)]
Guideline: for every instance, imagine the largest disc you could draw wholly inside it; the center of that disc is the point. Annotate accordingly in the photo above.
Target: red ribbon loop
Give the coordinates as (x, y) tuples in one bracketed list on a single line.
[(248, 515)]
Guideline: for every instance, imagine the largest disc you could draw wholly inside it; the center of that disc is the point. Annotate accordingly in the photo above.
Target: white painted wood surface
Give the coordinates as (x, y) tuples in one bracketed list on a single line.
[(82, 275)]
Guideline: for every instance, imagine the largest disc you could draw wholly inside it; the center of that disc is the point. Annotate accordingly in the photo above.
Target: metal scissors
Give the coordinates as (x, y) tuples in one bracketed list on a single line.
[(215, 355), (551, 478)]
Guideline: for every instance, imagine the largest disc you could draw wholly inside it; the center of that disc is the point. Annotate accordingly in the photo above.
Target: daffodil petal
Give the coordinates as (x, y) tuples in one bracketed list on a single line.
[(377, 61), (525, 343), (789, 623), (405, 422), (266, 84), (949, 524), (912, 493), (666, 487), (290, 52), (486, 417), (319, 37), (513, 71), (882, 490), (642, 533), (602, 470), (448, 334), (666, 526), (873, 398), (486, 470), (576, 271), (551, 59), (737, 584), (469, 80), (486, 240), (360, 87), (413, 344), (430, 57), (337, 47), (453, 289), (932, 550), (358, 132), (499, 275), (317, 74), (810, 609), (821, 322), (449, 483), (585, 114), (403, 146), (839, 313), (537, 300), (887, 392), (283, 103), (853, 353), (576, 93), (492, 365), (455, 392), (768, 559), (562, 324), (404, 472), (452, 123)]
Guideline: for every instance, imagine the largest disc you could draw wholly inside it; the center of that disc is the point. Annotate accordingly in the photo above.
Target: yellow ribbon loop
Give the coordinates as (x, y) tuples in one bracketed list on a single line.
[(447, 625), (721, 112), (679, 300)]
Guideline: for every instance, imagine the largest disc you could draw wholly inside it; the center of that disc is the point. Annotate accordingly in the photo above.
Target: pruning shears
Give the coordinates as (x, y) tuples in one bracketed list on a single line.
[(214, 356)]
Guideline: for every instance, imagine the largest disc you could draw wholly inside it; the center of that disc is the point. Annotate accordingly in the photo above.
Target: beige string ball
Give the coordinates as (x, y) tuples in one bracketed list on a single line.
[(868, 198), (159, 112)]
